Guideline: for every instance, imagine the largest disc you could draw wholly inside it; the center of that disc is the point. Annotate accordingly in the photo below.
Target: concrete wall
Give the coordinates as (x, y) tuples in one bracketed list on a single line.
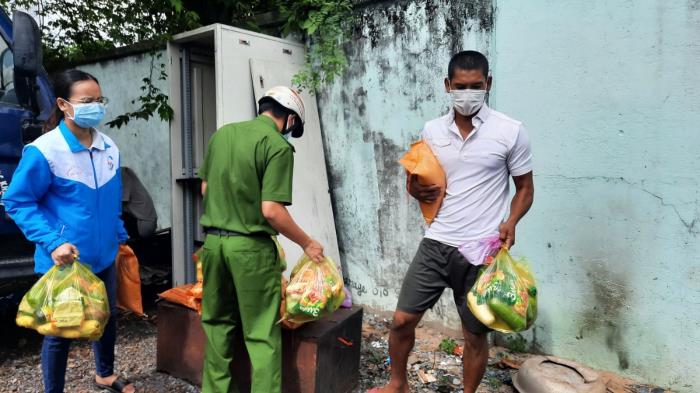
[(370, 116), (144, 145), (608, 91)]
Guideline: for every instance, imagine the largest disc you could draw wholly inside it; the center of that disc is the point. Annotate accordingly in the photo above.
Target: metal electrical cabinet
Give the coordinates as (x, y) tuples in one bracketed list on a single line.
[(217, 73)]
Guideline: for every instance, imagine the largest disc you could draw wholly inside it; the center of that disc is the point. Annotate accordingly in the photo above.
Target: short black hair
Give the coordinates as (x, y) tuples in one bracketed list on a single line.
[(468, 60), (278, 111)]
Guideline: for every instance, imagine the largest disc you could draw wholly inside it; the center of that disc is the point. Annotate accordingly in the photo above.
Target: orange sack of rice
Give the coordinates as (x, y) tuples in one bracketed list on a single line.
[(421, 161), (128, 281), (188, 295), (185, 296)]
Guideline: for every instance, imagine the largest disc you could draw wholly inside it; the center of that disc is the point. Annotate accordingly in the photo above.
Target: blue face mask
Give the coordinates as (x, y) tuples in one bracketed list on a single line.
[(88, 115)]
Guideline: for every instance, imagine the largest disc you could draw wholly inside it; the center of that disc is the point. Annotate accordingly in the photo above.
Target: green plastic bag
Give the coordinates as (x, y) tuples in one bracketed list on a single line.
[(314, 291), (504, 296), (68, 301)]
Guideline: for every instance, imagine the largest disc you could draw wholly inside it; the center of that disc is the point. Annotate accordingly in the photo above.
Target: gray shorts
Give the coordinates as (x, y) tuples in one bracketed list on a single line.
[(435, 267)]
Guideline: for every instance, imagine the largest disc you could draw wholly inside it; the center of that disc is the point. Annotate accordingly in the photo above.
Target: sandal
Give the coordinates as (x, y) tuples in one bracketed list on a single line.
[(116, 387)]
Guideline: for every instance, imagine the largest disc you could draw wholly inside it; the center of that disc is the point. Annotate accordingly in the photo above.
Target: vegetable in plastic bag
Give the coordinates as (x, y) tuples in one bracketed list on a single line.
[(504, 296), (68, 301), (314, 291)]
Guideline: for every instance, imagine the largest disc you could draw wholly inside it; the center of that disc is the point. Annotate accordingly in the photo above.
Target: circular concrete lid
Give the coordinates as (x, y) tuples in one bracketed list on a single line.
[(549, 374)]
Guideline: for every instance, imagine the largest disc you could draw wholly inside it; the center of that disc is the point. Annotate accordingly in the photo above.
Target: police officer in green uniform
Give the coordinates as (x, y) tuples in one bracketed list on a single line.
[(247, 184)]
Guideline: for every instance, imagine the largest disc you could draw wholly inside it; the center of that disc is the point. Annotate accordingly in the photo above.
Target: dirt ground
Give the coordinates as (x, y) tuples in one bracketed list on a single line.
[(429, 363), (431, 369)]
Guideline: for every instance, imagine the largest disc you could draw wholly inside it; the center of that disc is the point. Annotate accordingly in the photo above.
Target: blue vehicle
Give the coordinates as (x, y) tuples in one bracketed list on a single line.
[(26, 100)]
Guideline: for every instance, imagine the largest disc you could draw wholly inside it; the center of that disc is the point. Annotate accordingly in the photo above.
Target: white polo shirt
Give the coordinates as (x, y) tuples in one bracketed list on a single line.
[(478, 170)]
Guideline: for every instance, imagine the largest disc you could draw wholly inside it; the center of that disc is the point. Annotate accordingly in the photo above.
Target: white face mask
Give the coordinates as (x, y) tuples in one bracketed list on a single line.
[(289, 123), (467, 102)]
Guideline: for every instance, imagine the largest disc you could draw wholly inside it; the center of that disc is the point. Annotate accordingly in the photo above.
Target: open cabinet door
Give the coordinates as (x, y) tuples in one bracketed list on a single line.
[(311, 204)]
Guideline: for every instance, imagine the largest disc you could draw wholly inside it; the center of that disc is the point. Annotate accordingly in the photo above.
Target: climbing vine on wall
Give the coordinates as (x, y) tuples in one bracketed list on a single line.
[(79, 30), (152, 100), (325, 25)]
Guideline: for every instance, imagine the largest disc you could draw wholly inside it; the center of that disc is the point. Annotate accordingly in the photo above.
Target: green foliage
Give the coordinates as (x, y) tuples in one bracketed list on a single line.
[(493, 382), (325, 24), (448, 345), (78, 30), (231, 12), (74, 31), (152, 100), (516, 343)]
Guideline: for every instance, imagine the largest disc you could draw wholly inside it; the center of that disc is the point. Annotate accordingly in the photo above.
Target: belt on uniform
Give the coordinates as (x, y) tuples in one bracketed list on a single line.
[(225, 233)]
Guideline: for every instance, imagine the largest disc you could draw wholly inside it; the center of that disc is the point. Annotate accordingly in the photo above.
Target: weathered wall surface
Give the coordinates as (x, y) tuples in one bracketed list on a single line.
[(144, 145), (608, 91), (370, 116)]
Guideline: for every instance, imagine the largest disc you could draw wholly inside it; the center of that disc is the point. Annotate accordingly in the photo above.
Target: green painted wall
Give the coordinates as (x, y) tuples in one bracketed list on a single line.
[(609, 93)]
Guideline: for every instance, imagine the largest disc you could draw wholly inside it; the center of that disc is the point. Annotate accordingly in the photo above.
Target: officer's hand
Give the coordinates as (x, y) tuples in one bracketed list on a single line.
[(315, 251), (64, 254), (283, 286), (424, 193)]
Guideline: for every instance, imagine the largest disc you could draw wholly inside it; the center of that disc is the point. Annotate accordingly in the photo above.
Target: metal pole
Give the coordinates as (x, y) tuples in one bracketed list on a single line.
[(188, 170)]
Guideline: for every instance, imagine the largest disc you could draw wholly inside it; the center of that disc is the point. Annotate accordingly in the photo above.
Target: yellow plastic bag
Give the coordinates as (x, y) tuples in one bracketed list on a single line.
[(198, 288), (421, 161), (314, 291), (68, 301), (504, 296)]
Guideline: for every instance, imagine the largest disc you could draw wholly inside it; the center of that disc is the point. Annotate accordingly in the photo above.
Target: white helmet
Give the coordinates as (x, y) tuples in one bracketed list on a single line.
[(289, 99)]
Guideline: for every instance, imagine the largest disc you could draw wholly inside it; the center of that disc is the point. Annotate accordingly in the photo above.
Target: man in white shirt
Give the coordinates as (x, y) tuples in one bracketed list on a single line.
[(479, 149)]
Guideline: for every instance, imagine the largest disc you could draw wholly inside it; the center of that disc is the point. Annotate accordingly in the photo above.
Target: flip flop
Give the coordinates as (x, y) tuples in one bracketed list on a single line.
[(116, 387)]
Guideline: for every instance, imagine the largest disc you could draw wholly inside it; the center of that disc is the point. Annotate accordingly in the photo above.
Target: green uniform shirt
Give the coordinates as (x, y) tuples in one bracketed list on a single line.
[(246, 163)]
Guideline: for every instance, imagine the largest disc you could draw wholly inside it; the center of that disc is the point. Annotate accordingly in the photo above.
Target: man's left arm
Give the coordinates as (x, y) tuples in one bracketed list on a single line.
[(524, 195), (520, 167)]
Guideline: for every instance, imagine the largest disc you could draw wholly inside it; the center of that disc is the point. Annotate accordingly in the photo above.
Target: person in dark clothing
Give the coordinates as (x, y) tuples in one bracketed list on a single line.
[(138, 212)]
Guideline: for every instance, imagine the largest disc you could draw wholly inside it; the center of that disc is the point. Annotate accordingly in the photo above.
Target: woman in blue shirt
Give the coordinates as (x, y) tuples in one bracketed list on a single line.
[(65, 196)]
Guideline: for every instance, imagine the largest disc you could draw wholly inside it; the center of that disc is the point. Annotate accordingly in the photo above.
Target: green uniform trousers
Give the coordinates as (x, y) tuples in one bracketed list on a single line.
[(241, 291)]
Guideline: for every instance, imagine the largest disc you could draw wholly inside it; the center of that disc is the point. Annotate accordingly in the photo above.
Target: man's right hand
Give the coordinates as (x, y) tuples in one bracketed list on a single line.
[(64, 254), (423, 193), (315, 251)]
